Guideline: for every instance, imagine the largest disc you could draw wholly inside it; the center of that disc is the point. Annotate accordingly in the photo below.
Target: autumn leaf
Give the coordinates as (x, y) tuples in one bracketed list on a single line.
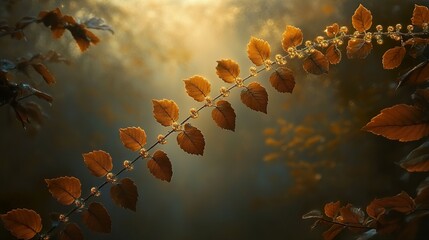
[(54, 20), (99, 24), (133, 138), (96, 218), (166, 112), (98, 162), (160, 166), (282, 80), (44, 72), (197, 87), (401, 203), (332, 30), (71, 232), (417, 160), (332, 232), (352, 215), (22, 223), (191, 140), (124, 194), (83, 36), (64, 189), (224, 116), (255, 97), (420, 15), (258, 50), (358, 48), (417, 75), (393, 57), (292, 37), (316, 63), (227, 70), (401, 122), (422, 197), (332, 209), (362, 19), (333, 54)]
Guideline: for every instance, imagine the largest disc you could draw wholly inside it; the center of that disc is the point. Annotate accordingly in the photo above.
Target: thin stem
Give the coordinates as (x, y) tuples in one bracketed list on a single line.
[(345, 224)]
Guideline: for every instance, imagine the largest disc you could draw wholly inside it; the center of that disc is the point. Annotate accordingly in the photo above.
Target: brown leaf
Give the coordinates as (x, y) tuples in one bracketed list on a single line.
[(255, 97), (227, 70), (420, 15), (332, 30), (96, 218), (417, 75), (133, 138), (358, 48), (191, 140), (401, 203), (124, 194), (316, 63), (283, 80), (422, 197), (22, 223), (197, 87), (258, 50), (417, 160), (54, 20), (165, 111), (44, 72), (332, 209), (64, 189), (224, 116), (362, 19), (333, 54), (160, 166), (332, 232), (43, 96), (292, 37), (352, 215), (401, 122), (83, 36), (98, 162), (71, 232), (393, 57)]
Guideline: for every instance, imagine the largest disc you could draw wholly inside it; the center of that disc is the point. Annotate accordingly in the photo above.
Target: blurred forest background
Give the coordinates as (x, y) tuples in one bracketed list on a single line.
[(252, 184)]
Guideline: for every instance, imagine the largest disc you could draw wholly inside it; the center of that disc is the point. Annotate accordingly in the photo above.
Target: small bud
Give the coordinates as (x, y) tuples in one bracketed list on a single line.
[(239, 82), (194, 113), (390, 29), (379, 28), (344, 29), (95, 192), (280, 59), (398, 27), (290, 50), (63, 218), (308, 43), (176, 127), (380, 41), (209, 101), (340, 42), (253, 71), (161, 139), (224, 91), (356, 34), (410, 28), (324, 44), (144, 153), (128, 165), (80, 203), (111, 177), (268, 64), (425, 27), (45, 237), (319, 39)]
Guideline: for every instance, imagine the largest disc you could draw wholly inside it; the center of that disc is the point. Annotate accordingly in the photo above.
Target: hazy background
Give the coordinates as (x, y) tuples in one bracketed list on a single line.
[(252, 184)]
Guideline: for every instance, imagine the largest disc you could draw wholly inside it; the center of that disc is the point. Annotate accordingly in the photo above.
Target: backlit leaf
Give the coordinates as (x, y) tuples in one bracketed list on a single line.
[(292, 37), (197, 88), (64, 189), (98, 162), (313, 214), (160, 166), (332, 30), (332, 232), (54, 20), (133, 138), (227, 70), (352, 215), (333, 54), (83, 36), (71, 232), (96, 218), (99, 24), (191, 140), (417, 160), (255, 97), (282, 80), (258, 50), (358, 48), (22, 223), (124, 194), (224, 116), (393, 57), (401, 122), (420, 15), (417, 75), (316, 63), (332, 209), (422, 197), (362, 19), (401, 203), (165, 111), (44, 72)]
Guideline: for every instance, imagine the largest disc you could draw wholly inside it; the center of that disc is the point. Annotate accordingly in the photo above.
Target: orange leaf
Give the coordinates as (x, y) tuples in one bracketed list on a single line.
[(54, 20), (71, 232), (332, 30), (160, 166), (124, 194), (292, 37), (98, 162), (283, 80), (362, 19), (64, 189), (358, 48), (258, 50), (420, 15), (224, 116), (97, 219), (165, 111), (422, 197), (82, 36), (352, 215), (401, 122), (191, 140), (417, 160), (333, 54), (255, 97), (417, 75), (22, 223), (227, 70), (44, 72), (402, 203), (133, 138), (332, 232), (332, 209), (316, 63), (393, 57), (197, 87)]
